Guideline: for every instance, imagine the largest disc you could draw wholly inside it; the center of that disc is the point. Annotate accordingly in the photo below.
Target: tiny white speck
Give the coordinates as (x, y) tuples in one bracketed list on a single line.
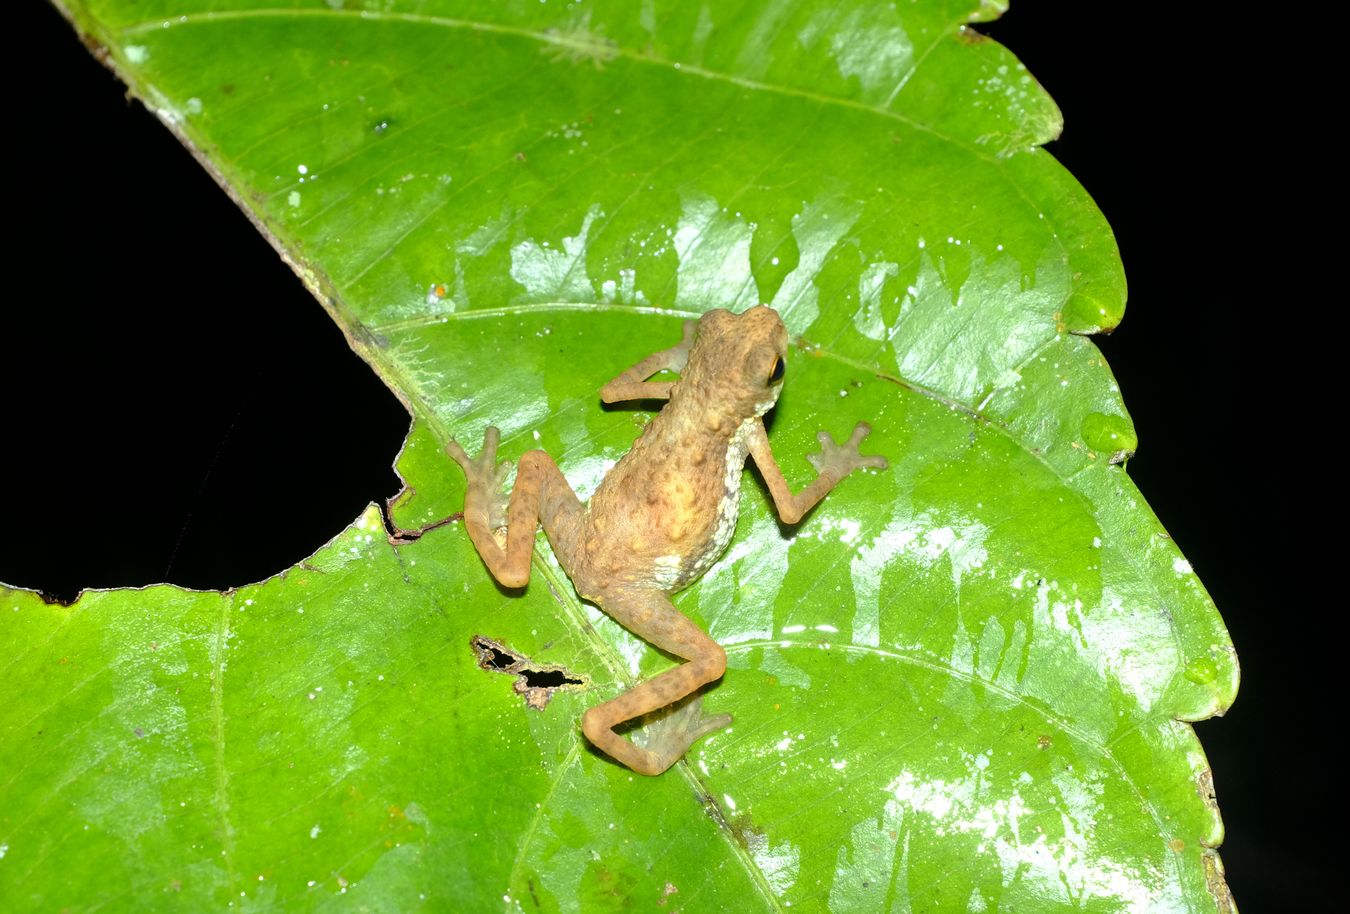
[(293, 198), (1181, 566), (314, 833), (137, 53), (4, 849), (193, 106), (303, 169), (731, 804)]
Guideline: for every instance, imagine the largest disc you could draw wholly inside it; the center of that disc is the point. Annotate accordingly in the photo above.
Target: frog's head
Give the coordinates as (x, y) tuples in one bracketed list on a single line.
[(738, 361)]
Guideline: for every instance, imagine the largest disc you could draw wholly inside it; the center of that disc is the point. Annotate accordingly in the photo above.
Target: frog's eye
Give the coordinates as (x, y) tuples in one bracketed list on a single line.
[(779, 368)]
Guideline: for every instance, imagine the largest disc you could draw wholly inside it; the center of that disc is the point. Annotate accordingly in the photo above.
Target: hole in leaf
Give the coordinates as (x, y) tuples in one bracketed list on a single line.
[(536, 682), (191, 414)]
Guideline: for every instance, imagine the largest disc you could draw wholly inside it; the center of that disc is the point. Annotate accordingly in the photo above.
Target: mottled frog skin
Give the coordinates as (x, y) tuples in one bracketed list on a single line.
[(662, 516)]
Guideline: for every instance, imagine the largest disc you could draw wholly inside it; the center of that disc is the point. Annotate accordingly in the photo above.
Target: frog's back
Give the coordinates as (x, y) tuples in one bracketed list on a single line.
[(667, 510)]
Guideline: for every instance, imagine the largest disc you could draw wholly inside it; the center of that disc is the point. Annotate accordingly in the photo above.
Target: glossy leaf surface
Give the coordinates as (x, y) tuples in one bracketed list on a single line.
[(957, 684)]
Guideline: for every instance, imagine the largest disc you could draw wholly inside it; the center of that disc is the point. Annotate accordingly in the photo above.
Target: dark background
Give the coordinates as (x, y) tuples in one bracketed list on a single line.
[(147, 427)]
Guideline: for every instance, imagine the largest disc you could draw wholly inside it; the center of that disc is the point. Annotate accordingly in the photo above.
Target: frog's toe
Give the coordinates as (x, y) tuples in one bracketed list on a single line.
[(458, 454), (672, 735), (492, 436), (709, 724)]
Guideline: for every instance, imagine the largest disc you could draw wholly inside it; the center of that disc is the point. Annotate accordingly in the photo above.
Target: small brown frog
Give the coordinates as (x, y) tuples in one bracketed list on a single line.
[(662, 516)]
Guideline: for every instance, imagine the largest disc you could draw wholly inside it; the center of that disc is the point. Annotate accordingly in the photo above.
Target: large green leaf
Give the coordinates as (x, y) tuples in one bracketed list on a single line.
[(959, 685)]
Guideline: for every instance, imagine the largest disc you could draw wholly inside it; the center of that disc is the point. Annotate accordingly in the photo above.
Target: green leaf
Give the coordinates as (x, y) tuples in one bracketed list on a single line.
[(959, 685)]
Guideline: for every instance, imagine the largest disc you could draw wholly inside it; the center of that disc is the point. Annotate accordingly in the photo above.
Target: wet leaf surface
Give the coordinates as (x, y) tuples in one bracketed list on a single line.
[(957, 684)]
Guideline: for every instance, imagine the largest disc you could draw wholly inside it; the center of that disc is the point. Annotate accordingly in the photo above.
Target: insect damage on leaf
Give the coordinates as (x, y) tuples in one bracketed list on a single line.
[(536, 682)]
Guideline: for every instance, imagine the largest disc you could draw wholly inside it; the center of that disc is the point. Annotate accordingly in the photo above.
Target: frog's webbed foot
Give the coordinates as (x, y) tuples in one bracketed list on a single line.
[(486, 477), (669, 737), (838, 460)]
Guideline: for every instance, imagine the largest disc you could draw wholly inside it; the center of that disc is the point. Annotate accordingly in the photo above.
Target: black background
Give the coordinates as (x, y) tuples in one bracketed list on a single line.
[(170, 387)]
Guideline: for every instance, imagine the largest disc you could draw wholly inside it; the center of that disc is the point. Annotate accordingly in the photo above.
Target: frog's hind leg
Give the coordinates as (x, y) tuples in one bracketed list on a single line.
[(652, 615), (541, 495)]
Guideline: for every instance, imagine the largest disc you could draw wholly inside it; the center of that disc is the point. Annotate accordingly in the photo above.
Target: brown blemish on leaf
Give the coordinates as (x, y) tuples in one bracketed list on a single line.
[(966, 35), (1204, 786), (1218, 887), (746, 833), (399, 536), (534, 681), (54, 599)]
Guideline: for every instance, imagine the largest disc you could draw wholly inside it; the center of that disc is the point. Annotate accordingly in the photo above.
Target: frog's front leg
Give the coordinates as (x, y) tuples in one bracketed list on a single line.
[(633, 384), (833, 463), (541, 495), (651, 615)]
